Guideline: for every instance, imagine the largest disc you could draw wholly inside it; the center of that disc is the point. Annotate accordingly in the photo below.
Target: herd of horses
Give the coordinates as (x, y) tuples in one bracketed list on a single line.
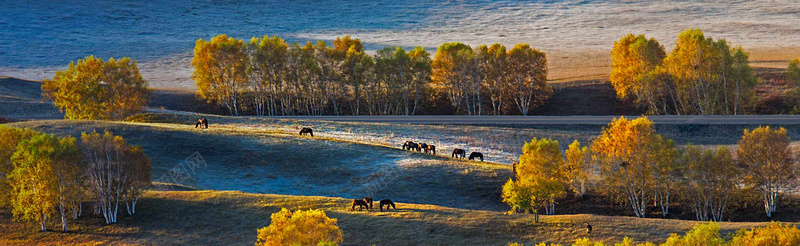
[(408, 145), (367, 203)]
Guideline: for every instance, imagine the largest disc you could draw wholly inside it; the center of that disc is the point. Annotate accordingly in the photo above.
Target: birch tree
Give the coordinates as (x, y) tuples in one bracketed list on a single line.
[(450, 70), (711, 180), (527, 77), (768, 163), (579, 165), (632, 57), (116, 172), (220, 71), (266, 61), (420, 75), (9, 138), (541, 177)]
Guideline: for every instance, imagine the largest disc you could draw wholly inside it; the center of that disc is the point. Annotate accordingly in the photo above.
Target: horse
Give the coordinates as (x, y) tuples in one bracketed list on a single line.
[(431, 149), (306, 130), (424, 146), (458, 152), (202, 123), (360, 203), (388, 203), (408, 145), (474, 155), (368, 200)]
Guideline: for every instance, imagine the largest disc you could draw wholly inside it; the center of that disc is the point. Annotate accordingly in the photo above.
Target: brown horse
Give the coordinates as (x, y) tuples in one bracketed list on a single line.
[(474, 155), (306, 130), (360, 203), (431, 149), (202, 123), (424, 146), (388, 203), (458, 152), (408, 145)]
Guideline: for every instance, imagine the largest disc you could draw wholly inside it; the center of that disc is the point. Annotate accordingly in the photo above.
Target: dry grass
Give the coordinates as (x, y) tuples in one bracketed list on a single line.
[(231, 218)]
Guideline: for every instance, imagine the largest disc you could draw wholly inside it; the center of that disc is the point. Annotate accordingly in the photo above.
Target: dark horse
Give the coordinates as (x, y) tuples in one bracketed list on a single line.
[(424, 147), (474, 155), (202, 123), (411, 146), (430, 149), (368, 200), (388, 203), (458, 152), (306, 130), (360, 203)]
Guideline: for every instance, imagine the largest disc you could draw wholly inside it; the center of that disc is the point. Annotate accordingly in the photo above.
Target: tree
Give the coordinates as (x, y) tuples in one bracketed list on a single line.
[(9, 138), (579, 165), (632, 57), (629, 153), (420, 74), (117, 171), (774, 234), (793, 72), (541, 177), (702, 234), (220, 71), (44, 178), (355, 63), (768, 163), (266, 63), (495, 81), (450, 70), (527, 77), (711, 179), (310, 227), (93, 89)]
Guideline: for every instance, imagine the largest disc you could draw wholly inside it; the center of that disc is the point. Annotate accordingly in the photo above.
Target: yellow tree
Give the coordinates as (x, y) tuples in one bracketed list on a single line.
[(420, 74), (526, 76), (220, 71), (44, 178), (266, 58), (310, 227), (541, 177), (773, 234), (450, 70), (793, 72), (711, 179), (495, 81), (632, 158), (9, 138), (633, 57), (579, 165), (93, 89), (768, 163)]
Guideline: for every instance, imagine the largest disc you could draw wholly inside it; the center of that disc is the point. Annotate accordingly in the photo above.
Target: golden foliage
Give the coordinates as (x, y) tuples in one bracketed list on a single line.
[(93, 89), (768, 162), (310, 227), (632, 57), (9, 138), (220, 71), (774, 234)]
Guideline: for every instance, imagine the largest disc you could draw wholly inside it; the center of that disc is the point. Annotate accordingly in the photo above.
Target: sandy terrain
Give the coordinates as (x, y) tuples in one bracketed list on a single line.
[(576, 34)]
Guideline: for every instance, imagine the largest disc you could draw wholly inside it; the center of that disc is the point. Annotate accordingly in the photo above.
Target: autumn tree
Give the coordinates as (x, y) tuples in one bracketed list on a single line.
[(632, 58), (579, 165), (496, 81), (541, 177), (355, 63), (793, 72), (44, 178), (310, 227), (220, 67), (116, 171), (768, 163), (266, 63), (450, 70), (702, 234), (93, 89), (711, 181), (633, 161), (773, 234), (527, 77), (420, 75), (9, 138)]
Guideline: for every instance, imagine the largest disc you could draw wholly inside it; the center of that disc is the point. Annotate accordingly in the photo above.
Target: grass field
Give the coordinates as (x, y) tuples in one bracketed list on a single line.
[(231, 218)]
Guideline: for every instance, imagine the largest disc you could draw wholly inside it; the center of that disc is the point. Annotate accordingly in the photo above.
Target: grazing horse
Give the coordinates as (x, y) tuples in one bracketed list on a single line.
[(458, 152), (368, 200), (408, 145), (306, 130), (430, 149), (202, 123), (588, 228), (474, 155), (360, 203), (388, 203), (424, 146)]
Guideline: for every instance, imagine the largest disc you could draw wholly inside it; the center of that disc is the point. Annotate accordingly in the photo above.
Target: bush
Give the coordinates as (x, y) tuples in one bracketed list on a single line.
[(774, 234), (311, 227)]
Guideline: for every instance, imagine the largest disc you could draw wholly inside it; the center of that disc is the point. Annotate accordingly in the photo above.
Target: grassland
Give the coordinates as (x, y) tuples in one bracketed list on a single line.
[(231, 218)]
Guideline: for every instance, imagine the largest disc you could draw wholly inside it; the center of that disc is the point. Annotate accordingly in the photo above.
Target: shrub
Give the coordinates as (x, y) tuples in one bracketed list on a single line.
[(311, 227), (774, 234)]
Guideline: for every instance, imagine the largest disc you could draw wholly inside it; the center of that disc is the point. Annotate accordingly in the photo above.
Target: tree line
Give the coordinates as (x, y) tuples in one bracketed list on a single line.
[(700, 76), (268, 76), (42, 175), (637, 167)]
